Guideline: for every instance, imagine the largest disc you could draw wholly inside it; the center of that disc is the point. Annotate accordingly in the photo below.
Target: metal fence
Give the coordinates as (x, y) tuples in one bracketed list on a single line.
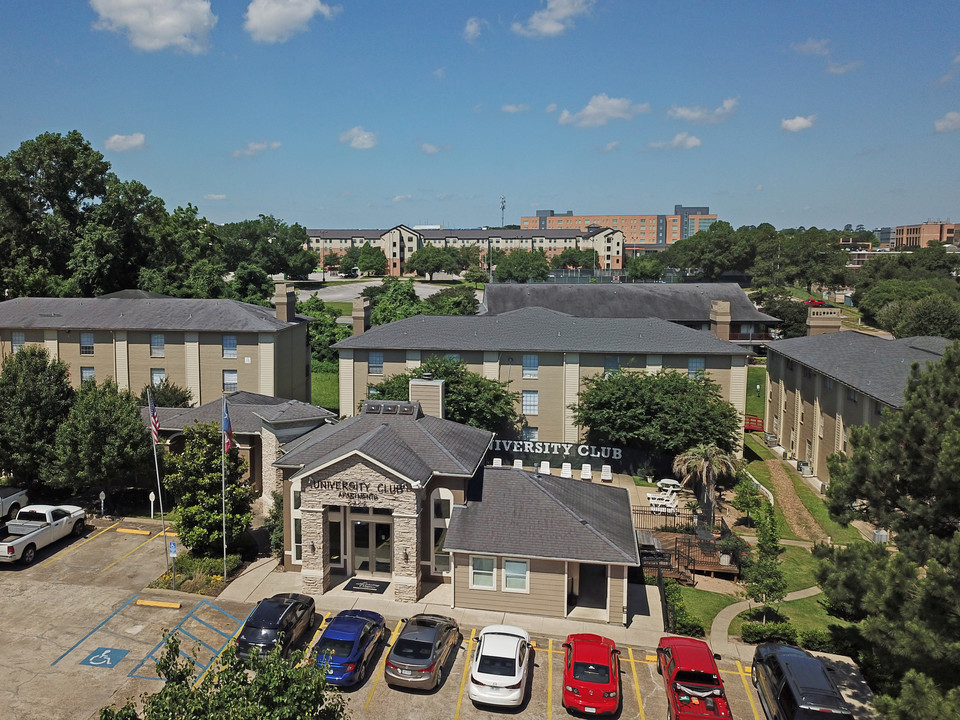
[(646, 519)]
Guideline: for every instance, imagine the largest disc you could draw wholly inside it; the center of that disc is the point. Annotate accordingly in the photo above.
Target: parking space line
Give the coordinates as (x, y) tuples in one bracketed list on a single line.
[(549, 679), (77, 546), (636, 682), (466, 673), (109, 617), (382, 664), (131, 552), (746, 686), (215, 657), (313, 641), (134, 531)]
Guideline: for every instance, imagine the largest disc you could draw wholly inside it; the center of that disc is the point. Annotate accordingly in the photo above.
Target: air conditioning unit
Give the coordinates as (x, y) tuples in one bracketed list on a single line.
[(880, 537), (806, 470)]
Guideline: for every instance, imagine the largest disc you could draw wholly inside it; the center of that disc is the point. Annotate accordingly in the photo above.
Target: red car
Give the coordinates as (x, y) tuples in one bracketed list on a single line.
[(591, 675), (690, 675), (813, 302)]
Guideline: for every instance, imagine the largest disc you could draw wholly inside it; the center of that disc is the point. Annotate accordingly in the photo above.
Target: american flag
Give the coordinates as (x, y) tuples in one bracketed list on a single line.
[(227, 428), (154, 420)]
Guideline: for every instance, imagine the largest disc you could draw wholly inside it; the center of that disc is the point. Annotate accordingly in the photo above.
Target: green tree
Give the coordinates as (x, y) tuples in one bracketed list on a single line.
[(662, 413), (747, 498), (763, 575), (278, 688), (350, 258), (936, 314), (470, 398), (397, 301), (195, 481), (455, 300), (523, 266), (644, 267), (372, 261), (273, 524), (267, 243), (700, 466), (792, 314), (879, 295), (166, 394), (331, 259), (35, 398), (713, 251), (431, 259), (103, 442), (476, 275), (250, 284), (323, 331)]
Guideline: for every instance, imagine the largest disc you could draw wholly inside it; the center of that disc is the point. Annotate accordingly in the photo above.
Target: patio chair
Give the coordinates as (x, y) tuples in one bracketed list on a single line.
[(566, 470), (518, 464), (586, 472), (498, 462), (606, 473), (544, 467)]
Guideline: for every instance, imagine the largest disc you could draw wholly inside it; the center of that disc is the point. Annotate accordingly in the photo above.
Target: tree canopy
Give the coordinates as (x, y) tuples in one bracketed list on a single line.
[(323, 331), (522, 266), (431, 259), (371, 260), (166, 394)]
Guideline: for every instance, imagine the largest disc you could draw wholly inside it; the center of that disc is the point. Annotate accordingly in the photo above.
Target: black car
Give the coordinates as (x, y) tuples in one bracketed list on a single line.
[(280, 620), (794, 685)]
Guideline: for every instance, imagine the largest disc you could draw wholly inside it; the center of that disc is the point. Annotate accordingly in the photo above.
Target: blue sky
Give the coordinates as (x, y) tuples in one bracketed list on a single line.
[(371, 113)]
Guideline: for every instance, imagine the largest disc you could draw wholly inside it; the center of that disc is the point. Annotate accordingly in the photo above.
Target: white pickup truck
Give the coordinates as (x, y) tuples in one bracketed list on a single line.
[(37, 526), (11, 500)]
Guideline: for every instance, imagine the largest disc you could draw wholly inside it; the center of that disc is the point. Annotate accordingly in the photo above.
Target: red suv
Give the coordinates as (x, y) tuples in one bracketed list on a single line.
[(693, 684)]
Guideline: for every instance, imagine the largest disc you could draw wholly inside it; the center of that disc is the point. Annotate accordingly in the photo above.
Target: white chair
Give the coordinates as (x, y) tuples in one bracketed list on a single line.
[(566, 470), (606, 473), (664, 506), (586, 472), (498, 462), (544, 467), (518, 464), (669, 485)]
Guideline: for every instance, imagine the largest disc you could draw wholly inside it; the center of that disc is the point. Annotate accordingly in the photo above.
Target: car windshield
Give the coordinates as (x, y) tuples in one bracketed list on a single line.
[(405, 649), (591, 672), (696, 677), (493, 665), (337, 648), (259, 635)]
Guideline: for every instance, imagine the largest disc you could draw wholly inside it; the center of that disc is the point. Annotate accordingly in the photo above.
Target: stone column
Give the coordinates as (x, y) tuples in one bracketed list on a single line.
[(406, 557), (316, 569)]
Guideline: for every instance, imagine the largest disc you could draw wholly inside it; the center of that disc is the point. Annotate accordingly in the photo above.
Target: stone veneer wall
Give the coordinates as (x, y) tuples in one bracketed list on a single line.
[(271, 478), (406, 507)]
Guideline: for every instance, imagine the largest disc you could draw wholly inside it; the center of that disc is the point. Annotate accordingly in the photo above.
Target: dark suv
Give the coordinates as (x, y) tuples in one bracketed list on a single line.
[(282, 619), (794, 685)]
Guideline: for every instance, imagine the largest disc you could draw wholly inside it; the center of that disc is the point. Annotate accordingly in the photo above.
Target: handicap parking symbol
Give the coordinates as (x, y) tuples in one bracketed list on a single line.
[(104, 657)]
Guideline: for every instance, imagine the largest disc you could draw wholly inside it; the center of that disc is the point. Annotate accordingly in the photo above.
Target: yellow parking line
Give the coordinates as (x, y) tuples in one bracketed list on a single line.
[(380, 665), (130, 553), (313, 641), (133, 531), (636, 683), (746, 687), (466, 673), (74, 548), (549, 679)]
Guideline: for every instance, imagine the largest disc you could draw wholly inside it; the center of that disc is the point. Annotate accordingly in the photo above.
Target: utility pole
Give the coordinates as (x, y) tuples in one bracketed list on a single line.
[(503, 206)]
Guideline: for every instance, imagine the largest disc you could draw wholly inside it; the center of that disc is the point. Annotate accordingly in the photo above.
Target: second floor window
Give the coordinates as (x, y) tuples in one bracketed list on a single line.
[(86, 343), (530, 403), (229, 346), (531, 366), (695, 365), (156, 345), (229, 380), (19, 339), (375, 363)]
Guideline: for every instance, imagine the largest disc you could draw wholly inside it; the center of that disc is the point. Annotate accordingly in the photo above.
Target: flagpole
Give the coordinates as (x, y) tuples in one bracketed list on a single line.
[(223, 476), (155, 433)]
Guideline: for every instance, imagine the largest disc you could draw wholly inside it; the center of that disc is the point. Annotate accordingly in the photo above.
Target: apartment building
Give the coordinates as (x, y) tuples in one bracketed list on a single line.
[(821, 385), (206, 346), (925, 234)]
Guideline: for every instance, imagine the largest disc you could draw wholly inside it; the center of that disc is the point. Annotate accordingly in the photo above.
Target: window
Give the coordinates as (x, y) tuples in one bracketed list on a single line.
[(878, 407), (156, 345), (530, 434), (828, 384), (86, 343), (851, 395), (229, 343), (483, 571), (157, 376), (695, 365), (530, 405), (18, 339), (453, 356), (531, 366), (516, 576), (229, 380), (86, 373), (611, 364), (375, 362), (442, 507)]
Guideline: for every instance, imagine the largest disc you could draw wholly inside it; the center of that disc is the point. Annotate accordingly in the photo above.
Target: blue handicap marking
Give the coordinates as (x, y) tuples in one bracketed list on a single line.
[(104, 657)]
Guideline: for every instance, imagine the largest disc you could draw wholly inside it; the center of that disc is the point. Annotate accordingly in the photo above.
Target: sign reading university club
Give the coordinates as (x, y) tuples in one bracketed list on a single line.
[(568, 451), (356, 491)]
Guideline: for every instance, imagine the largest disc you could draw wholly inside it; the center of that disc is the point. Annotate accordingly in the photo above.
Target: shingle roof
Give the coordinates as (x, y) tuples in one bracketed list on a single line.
[(156, 314), (414, 445), (536, 329), (462, 234), (549, 517), (247, 413), (680, 302), (871, 365)]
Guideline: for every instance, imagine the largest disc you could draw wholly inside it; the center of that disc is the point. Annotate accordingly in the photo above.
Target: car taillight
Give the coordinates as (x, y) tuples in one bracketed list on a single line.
[(429, 669), (392, 666), (571, 688), (514, 687), (9, 549), (475, 681), (349, 667), (610, 694)]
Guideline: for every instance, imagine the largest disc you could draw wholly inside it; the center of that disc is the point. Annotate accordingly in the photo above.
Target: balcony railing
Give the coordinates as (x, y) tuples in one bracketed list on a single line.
[(757, 336)]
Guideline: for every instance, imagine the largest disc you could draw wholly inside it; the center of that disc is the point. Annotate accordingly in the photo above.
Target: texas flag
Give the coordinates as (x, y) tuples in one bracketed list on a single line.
[(227, 428)]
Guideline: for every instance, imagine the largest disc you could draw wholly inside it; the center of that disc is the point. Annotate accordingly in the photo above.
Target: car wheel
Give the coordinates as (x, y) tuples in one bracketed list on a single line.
[(78, 527), (439, 677), (29, 553), (14, 509)]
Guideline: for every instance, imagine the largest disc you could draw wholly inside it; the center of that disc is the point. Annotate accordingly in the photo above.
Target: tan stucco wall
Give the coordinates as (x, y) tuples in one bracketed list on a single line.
[(547, 596)]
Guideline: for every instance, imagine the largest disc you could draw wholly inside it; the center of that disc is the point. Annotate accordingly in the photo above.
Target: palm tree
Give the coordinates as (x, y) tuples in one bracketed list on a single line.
[(705, 463)]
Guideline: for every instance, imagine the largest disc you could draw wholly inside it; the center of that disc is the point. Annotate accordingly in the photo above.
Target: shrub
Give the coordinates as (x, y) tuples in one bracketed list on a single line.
[(683, 622), (273, 524), (817, 640), (782, 632)]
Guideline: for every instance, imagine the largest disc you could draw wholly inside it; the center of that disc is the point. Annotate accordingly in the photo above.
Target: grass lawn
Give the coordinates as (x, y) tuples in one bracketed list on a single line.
[(344, 309), (326, 391), (799, 568), (756, 375), (805, 615), (705, 605), (755, 454), (818, 508)]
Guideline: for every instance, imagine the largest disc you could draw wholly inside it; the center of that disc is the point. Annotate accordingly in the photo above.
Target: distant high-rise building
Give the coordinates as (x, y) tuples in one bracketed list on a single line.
[(925, 234)]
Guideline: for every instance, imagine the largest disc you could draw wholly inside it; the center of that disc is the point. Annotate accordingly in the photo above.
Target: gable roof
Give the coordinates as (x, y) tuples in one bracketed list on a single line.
[(248, 411), (542, 330), (408, 442), (155, 314), (676, 302), (874, 366), (525, 515)]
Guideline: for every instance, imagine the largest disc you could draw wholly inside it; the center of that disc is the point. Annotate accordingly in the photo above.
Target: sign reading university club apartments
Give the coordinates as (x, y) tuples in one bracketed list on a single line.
[(356, 491), (557, 453)]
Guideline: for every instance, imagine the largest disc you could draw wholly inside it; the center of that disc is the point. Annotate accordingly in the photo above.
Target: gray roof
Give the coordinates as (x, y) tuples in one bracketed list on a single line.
[(414, 445), (475, 234), (548, 517), (536, 329), (155, 314), (871, 365), (676, 302), (248, 411)]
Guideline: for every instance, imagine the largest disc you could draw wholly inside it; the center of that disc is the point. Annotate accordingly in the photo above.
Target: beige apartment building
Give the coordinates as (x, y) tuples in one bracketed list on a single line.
[(209, 347), (925, 234), (819, 386), (546, 356)]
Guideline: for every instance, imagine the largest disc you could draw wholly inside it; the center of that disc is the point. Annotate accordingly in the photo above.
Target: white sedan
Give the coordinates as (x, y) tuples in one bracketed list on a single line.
[(501, 666)]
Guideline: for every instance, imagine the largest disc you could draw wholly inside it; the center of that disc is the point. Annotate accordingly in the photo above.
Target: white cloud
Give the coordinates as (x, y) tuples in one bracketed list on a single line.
[(515, 108), (358, 138), (555, 19), (948, 123), (812, 47), (473, 28), (702, 115), (600, 109), (274, 21), (215, 196), (402, 198), (158, 24), (440, 73), (838, 69), (759, 188), (956, 58), (255, 148), (429, 149), (681, 141), (612, 145), (798, 123), (551, 108), (123, 143)]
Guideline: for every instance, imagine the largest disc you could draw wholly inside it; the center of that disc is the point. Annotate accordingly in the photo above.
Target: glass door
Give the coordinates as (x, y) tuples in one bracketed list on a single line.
[(361, 547), (371, 548), (383, 548)]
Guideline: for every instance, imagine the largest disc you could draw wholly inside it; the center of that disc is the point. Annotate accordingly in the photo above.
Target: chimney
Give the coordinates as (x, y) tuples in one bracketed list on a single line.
[(285, 300), (822, 320), (361, 315), (430, 394), (720, 319)]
